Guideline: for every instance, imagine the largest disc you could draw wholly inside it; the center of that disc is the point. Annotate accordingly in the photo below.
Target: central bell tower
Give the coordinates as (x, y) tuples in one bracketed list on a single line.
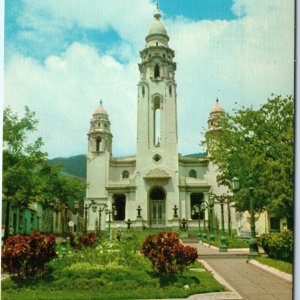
[(157, 150)]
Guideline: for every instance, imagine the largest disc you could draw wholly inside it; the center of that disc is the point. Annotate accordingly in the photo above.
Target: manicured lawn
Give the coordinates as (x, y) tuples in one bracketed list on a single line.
[(232, 241), (280, 265), (112, 270)]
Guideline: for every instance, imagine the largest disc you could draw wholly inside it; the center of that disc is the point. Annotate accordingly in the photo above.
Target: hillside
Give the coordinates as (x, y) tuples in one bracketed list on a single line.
[(196, 155), (74, 165)]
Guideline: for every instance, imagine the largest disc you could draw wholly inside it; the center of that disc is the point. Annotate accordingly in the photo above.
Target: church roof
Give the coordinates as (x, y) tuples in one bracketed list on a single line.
[(217, 107), (100, 110), (157, 27)]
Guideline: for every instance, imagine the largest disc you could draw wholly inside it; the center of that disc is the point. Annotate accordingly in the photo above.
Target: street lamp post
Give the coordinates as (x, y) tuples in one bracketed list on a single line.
[(221, 199), (223, 247), (100, 210), (253, 247), (86, 207), (211, 219), (196, 210), (109, 213), (94, 205), (75, 212), (203, 207)]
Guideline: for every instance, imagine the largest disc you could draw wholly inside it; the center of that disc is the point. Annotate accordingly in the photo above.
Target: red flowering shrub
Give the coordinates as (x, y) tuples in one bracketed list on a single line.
[(26, 256), (167, 254), (87, 241)]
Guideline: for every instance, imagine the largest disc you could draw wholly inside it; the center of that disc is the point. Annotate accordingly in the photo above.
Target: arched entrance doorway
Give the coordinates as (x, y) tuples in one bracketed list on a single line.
[(157, 198)]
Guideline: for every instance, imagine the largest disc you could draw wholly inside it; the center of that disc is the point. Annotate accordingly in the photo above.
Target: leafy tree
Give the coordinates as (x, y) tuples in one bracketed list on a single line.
[(257, 146), (20, 160), (27, 176), (59, 191)]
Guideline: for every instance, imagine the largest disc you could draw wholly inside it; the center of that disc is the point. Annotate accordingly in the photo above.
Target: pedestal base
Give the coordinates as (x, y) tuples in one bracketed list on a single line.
[(138, 223), (174, 223)]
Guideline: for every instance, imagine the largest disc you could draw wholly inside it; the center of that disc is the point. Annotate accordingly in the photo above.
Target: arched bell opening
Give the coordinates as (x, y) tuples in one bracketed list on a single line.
[(98, 143), (156, 71), (156, 122)]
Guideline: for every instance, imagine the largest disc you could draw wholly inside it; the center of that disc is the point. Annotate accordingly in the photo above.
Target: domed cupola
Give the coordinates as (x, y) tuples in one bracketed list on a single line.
[(216, 110), (157, 35), (100, 137)]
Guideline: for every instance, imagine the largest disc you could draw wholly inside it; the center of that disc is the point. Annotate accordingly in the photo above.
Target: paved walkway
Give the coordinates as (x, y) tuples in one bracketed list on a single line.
[(249, 281)]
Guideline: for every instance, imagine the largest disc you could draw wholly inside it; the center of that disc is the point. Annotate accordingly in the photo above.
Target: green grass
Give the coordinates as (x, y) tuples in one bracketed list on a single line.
[(110, 284), (280, 265), (110, 271), (232, 241)]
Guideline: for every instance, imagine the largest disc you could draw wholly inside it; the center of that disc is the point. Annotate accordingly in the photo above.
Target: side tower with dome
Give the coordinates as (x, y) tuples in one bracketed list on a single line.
[(157, 187)]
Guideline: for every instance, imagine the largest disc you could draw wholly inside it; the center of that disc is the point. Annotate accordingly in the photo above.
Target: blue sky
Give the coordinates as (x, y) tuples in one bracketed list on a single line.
[(101, 39), (62, 56)]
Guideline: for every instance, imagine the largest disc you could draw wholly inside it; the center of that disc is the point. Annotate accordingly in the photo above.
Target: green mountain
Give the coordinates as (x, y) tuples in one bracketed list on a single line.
[(74, 165), (196, 155)]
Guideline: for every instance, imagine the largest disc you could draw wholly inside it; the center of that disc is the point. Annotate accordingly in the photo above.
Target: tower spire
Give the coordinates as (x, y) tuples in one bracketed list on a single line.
[(157, 15)]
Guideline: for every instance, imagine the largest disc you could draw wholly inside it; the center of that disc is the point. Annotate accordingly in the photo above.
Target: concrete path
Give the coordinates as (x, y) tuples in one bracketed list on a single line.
[(249, 281)]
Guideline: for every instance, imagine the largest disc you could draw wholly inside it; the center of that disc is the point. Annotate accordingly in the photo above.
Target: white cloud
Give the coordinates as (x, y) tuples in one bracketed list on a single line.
[(129, 18), (243, 60), (65, 91)]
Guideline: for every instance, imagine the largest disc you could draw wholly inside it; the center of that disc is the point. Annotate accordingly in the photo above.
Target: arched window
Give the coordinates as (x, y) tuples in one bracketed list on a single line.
[(98, 142), (156, 122), (125, 174), (143, 91), (156, 71), (170, 90), (193, 174)]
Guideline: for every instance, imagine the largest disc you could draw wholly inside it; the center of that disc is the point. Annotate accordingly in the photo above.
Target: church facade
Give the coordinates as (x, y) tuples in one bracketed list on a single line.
[(157, 187)]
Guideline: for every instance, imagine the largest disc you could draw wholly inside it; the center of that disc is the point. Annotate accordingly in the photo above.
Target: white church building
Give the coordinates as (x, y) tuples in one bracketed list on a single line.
[(157, 187)]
